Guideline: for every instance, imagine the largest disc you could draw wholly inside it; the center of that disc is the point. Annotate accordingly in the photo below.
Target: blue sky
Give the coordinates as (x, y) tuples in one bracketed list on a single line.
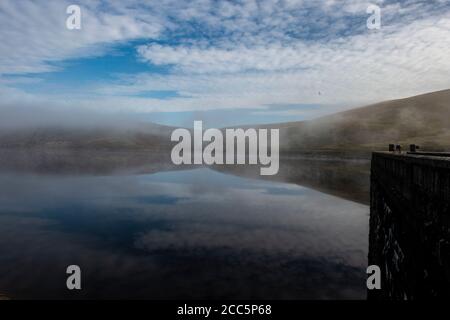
[(224, 62)]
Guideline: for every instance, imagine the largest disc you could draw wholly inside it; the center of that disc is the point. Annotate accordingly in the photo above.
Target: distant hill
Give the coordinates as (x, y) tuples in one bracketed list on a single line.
[(148, 136), (423, 120)]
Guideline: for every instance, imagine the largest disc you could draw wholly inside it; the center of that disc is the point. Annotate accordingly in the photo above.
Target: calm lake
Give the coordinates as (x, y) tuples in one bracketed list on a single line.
[(141, 228)]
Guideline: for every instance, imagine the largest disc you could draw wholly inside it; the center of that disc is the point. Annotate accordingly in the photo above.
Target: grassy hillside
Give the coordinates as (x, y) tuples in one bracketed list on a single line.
[(423, 120)]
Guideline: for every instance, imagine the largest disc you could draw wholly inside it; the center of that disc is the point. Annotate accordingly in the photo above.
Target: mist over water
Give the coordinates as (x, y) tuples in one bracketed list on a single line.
[(151, 232)]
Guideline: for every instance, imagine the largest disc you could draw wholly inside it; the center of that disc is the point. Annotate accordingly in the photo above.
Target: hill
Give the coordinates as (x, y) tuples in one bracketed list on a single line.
[(423, 120)]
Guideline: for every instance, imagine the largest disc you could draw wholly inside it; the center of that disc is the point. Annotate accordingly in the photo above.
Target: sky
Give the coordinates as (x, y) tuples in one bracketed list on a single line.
[(223, 62)]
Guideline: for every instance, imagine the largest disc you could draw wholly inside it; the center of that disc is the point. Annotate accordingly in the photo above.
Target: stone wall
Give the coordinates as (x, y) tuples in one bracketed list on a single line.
[(410, 225)]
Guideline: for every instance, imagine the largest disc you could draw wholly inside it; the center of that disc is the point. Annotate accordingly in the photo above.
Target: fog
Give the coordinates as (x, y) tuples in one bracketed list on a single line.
[(422, 120), (20, 117)]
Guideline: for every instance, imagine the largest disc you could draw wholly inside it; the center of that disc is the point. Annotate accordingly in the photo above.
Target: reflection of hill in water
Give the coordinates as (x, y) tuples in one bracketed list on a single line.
[(345, 178)]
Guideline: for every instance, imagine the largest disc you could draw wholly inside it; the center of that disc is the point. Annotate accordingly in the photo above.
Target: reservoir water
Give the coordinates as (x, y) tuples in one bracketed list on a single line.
[(202, 232)]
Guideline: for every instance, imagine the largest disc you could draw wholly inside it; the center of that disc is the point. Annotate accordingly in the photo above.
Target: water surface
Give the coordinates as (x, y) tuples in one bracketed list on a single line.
[(195, 233)]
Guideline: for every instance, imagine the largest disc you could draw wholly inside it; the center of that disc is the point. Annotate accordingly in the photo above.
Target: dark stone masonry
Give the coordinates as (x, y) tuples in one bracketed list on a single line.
[(410, 225)]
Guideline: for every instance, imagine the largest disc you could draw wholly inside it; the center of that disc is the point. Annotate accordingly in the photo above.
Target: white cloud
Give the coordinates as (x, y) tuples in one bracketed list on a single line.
[(33, 33), (397, 62)]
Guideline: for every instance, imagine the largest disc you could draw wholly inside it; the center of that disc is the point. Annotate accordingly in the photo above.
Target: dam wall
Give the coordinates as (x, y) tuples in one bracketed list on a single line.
[(410, 225)]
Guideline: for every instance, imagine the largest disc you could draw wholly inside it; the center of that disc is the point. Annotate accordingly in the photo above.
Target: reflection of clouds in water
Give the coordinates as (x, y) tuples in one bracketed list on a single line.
[(36, 268), (35, 256), (129, 231), (302, 222)]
